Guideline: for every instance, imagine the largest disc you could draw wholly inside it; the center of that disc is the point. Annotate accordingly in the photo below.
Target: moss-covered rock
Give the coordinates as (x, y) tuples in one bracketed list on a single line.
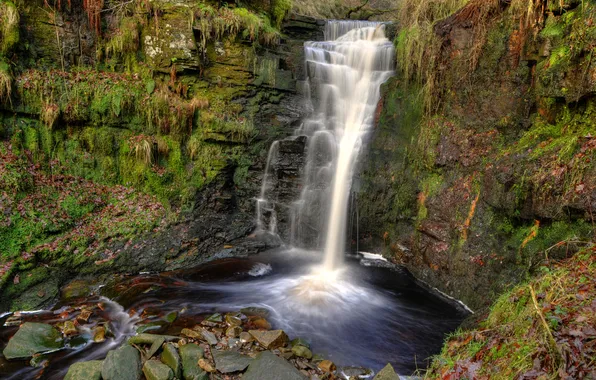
[(32, 338)]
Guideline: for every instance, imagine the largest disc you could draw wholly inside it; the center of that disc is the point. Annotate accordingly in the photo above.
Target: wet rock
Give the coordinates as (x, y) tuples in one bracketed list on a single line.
[(75, 289), (90, 370), (84, 316), (123, 363), (155, 346), (233, 331), (150, 338), (267, 366), (205, 365), (156, 370), (233, 319), (327, 366), (259, 323), (190, 354), (171, 317), (387, 373), (246, 337), (33, 338), (302, 351), (270, 339), (209, 337), (156, 326), (99, 334), (191, 333), (233, 342), (356, 372), (215, 318), (69, 328), (300, 342), (171, 357), (230, 361), (255, 311)]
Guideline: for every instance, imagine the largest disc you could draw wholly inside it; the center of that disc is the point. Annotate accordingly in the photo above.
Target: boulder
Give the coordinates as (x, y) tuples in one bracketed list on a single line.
[(171, 357), (270, 339), (267, 366), (302, 351), (33, 338), (190, 354), (230, 361), (123, 363), (90, 370), (156, 370), (387, 373)]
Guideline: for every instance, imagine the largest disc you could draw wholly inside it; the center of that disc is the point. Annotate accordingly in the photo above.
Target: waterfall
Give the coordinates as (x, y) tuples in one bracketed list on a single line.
[(344, 75)]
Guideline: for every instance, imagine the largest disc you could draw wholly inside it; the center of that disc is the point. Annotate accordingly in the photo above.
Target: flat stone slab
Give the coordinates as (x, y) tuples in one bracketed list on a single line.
[(268, 366), (230, 361), (33, 338)]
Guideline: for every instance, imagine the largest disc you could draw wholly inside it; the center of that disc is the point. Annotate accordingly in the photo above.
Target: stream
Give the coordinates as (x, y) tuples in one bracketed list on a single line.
[(368, 314)]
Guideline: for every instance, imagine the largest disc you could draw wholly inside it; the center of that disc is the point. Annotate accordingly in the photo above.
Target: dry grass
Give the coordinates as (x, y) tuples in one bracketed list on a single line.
[(5, 82), (49, 114), (418, 47)]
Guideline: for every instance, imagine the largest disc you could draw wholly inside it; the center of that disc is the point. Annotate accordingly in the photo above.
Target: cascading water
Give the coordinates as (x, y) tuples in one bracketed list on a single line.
[(361, 310), (345, 73)]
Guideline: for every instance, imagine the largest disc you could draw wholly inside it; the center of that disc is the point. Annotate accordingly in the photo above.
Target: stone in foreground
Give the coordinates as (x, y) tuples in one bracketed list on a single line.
[(170, 357), (230, 361), (156, 370), (123, 363), (33, 338), (387, 373), (270, 339), (190, 354), (268, 366), (90, 370)]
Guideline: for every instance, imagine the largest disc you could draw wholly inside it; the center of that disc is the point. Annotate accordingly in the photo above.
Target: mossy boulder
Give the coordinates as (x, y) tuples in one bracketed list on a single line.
[(190, 354), (123, 363), (90, 370), (156, 370), (33, 338)]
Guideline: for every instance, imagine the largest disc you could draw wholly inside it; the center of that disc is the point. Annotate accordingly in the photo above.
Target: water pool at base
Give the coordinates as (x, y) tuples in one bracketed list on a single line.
[(368, 314)]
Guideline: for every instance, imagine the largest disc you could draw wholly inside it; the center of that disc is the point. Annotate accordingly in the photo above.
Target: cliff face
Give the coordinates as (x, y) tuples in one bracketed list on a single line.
[(482, 166), (177, 101)]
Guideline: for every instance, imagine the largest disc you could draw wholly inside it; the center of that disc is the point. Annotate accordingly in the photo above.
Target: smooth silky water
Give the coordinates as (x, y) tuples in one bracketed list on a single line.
[(353, 310)]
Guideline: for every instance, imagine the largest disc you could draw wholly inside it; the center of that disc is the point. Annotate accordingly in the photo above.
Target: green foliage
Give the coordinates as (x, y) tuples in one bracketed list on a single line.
[(5, 81), (529, 327), (215, 24), (9, 26), (280, 10)]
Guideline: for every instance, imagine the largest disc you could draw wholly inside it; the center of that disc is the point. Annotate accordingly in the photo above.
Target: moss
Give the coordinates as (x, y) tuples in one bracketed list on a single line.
[(280, 10), (9, 26), (528, 328), (5, 81)]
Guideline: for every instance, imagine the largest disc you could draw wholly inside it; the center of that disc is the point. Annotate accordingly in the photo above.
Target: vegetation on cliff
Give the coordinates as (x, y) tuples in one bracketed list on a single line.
[(542, 329)]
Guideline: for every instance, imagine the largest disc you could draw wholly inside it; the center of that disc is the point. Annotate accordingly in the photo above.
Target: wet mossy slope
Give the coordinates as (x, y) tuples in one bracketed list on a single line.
[(133, 134), (482, 165)]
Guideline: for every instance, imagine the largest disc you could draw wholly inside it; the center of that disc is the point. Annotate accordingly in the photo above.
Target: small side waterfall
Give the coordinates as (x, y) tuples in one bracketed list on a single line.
[(345, 73)]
